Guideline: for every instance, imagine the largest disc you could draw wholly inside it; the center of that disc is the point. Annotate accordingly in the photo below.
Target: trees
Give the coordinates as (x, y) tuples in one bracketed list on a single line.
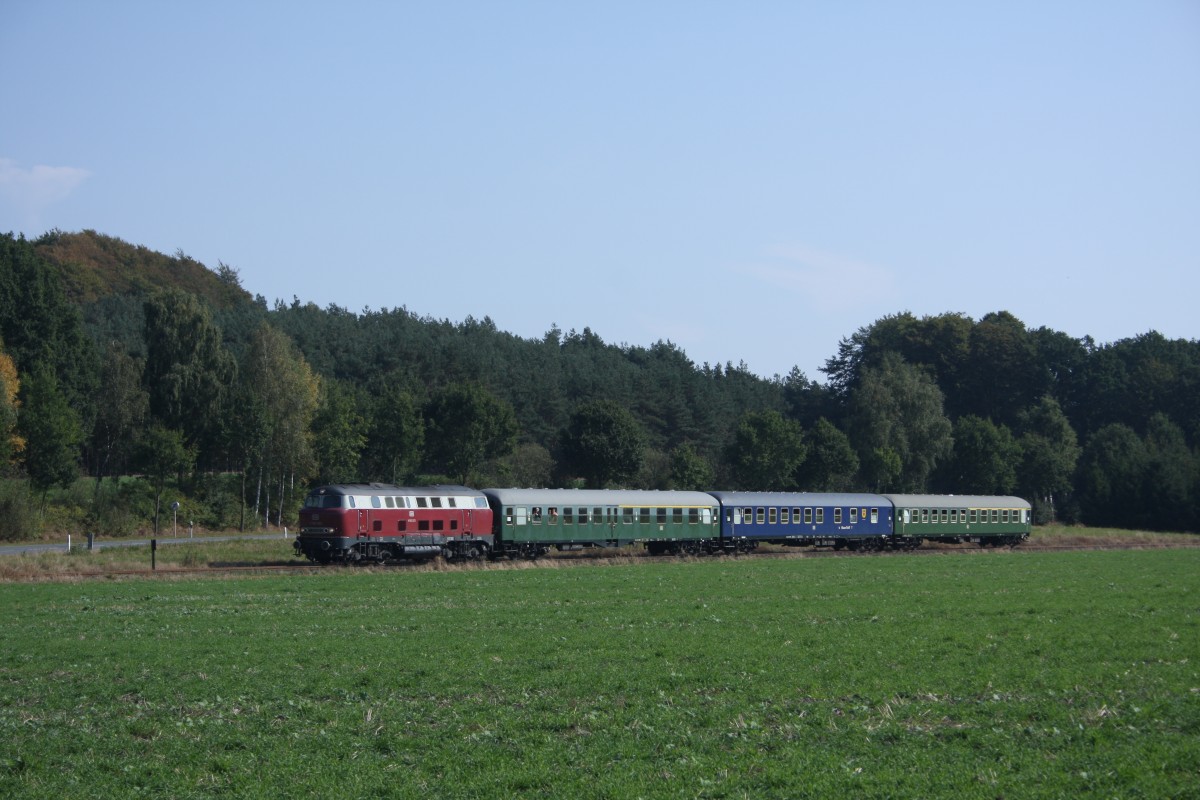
[(10, 386), (1110, 477), (983, 461), (121, 410), (603, 443), (690, 470), (338, 435), (188, 371), (831, 464), (283, 389), (467, 426), (898, 426), (163, 455), (1049, 451), (766, 451), (51, 431), (395, 441)]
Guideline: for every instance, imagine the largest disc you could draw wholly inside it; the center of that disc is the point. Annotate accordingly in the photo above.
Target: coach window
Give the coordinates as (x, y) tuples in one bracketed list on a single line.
[(820, 516), (808, 516), (853, 515), (1004, 515), (677, 516), (508, 515), (995, 515), (568, 516), (971, 516), (874, 516), (597, 515), (954, 516), (837, 516), (795, 516), (553, 512), (522, 515), (693, 516), (644, 516), (660, 516), (760, 515), (773, 515), (583, 515), (904, 515), (537, 515), (783, 516)]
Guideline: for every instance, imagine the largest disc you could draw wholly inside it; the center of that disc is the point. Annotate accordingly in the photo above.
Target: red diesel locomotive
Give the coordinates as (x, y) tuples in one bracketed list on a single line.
[(379, 522)]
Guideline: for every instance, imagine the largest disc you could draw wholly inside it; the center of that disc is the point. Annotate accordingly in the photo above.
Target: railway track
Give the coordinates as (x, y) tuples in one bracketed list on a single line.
[(304, 567)]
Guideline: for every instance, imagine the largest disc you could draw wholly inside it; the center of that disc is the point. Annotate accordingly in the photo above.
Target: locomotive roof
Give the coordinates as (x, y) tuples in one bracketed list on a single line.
[(955, 501), (359, 489), (599, 497), (800, 499)]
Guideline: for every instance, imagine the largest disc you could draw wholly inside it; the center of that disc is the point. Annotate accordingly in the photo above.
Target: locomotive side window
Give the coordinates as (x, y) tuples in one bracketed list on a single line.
[(422, 502), (453, 524), (378, 525), (350, 500), (401, 526), (389, 502), (435, 502), (423, 525), (438, 524)]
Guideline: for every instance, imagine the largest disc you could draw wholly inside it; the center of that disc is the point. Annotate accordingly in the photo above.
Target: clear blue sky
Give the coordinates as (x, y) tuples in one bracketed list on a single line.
[(750, 180)]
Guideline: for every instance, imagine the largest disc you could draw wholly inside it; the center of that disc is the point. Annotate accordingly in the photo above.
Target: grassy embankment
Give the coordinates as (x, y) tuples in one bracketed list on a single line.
[(1015, 674)]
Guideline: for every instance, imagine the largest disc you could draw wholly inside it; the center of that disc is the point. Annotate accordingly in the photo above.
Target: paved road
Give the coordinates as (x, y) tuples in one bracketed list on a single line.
[(81, 543)]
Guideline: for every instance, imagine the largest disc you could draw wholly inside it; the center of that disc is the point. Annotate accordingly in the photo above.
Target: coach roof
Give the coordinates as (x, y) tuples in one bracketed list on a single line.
[(814, 499), (598, 497), (955, 501)]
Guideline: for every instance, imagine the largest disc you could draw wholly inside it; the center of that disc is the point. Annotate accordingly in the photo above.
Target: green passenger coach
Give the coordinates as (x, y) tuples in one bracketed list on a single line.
[(529, 522), (993, 521)]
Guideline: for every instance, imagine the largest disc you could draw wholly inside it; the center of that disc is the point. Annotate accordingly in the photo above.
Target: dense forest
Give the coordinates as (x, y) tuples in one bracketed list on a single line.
[(130, 379)]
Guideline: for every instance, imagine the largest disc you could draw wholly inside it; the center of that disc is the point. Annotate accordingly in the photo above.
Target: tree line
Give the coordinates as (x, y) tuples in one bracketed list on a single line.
[(192, 390)]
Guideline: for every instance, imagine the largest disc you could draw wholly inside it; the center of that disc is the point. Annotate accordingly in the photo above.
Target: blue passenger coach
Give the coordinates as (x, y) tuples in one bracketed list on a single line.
[(807, 519)]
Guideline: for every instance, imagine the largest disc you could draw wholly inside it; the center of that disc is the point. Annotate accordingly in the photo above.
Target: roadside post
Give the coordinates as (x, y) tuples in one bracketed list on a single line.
[(153, 554)]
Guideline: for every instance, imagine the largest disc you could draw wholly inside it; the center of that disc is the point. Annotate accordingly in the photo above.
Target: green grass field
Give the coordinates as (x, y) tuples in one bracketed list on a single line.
[(1001, 674)]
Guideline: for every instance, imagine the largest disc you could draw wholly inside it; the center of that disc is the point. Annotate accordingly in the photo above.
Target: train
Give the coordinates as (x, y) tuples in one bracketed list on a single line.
[(380, 523)]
